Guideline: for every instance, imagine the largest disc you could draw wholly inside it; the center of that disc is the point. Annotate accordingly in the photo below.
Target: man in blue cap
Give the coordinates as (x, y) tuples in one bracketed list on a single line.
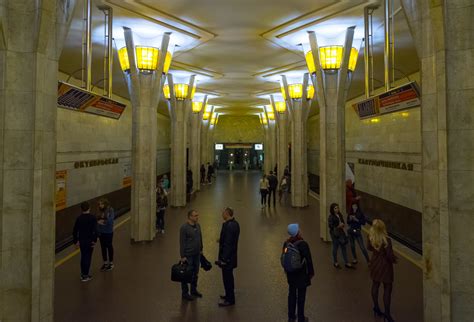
[(298, 274)]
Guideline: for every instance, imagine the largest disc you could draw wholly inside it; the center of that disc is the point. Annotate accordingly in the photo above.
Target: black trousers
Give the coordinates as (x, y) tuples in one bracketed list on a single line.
[(228, 278), (272, 192), (263, 195), (296, 295), (86, 256), (160, 219), (106, 246)]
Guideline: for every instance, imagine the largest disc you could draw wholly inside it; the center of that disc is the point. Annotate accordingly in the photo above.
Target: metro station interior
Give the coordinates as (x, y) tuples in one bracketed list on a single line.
[(374, 96)]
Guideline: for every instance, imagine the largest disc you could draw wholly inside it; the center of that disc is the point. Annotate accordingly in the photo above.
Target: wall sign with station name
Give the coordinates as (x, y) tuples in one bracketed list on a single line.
[(95, 163), (388, 164)]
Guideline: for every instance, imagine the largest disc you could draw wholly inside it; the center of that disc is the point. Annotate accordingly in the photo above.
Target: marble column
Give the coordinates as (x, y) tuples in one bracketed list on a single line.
[(270, 140), (179, 110), (144, 89), (205, 142), (331, 91), (281, 139), (299, 111), (446, 48), (32, 34), (196, 145)]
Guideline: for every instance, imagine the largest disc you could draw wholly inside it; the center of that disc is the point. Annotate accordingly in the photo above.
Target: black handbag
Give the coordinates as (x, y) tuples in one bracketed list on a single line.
[(205, 264), (181, 272)]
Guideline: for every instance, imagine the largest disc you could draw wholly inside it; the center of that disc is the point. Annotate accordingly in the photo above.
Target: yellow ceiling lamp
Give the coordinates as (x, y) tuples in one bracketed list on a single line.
[(197, 107), (296, 91), (280, 107), (205, 116), (263, 119), (180, 91), (331, 58), (146, 58)]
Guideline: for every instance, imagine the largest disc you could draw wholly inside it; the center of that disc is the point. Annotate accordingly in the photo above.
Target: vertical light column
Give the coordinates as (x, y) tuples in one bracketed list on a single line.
[(144, 88), (179, 109), (331, 89), (281, 118), (29, 52), (299, 110), (196, 145)]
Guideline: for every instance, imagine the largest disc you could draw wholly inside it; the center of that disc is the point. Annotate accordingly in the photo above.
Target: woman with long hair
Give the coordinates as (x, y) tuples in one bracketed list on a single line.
[(338, 235), (381, 267), (356, 219), (106, 233), (264, 185)]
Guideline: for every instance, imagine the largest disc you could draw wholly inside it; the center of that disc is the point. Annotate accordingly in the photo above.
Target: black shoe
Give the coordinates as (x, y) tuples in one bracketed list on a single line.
[(196, 294), (110, 267), (336, 265), (291, 319), (223, 297), (388, 317), (187, 297), (350, 266), (103, 268), (377, 311), (225, 303)]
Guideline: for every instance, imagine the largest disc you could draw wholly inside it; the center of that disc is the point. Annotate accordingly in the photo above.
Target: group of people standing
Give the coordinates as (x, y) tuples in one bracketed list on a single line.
[(87, 228), (206, 176), (268, 185)]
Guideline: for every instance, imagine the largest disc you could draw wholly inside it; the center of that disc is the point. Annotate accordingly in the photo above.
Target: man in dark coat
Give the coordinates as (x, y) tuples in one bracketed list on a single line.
[(85, 236), (227, 261), (299, 280), (272, 186)]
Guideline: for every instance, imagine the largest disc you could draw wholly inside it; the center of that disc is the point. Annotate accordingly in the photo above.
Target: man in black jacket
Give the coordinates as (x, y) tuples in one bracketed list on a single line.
[(85, 236), (300, 279), (227, 261), (272, 186)]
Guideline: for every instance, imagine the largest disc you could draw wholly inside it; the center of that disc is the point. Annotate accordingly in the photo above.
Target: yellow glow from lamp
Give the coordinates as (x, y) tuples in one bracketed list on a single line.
[(123, 59), (147, 59), (296, 91), (197, 106), (375, 120), (331, 58), (271, 116), (280, 107), (205, 116)]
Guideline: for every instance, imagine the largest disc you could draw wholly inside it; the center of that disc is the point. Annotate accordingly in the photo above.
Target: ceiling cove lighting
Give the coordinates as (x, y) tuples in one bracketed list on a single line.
[(197, 107), (331, 58), (147, 59), (280, 107)]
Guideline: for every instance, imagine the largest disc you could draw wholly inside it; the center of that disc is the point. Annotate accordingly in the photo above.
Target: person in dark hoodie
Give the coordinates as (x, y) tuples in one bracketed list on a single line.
[(356, 219), (85, 236), (106, 233), (300, 279)]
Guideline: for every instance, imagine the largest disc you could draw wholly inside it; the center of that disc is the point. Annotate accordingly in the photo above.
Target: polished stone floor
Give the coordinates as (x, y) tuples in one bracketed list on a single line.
[(139, 288)]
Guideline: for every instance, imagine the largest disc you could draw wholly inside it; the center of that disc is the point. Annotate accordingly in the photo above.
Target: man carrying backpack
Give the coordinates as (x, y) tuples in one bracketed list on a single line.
[(298, 265)]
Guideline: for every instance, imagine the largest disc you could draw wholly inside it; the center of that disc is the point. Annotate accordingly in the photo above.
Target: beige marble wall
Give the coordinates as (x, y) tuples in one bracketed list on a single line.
[(391, 137), (83, 137), (238, 129)]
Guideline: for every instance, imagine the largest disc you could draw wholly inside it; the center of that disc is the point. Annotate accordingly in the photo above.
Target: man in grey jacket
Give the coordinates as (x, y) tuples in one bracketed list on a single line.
[(190, 247)]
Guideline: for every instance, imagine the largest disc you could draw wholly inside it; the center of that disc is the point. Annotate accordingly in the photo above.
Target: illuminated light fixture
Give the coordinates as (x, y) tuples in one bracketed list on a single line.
[(205, 116), (280, 107), (197, 106), (180, 91), (405, 114), (296, 91), (147, 59), (331, 58), (271, 116), (263, 119), (375, 120), (193, 91)]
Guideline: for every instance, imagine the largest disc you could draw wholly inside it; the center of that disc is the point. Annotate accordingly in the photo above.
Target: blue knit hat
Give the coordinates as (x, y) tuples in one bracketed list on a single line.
[(293, 229)]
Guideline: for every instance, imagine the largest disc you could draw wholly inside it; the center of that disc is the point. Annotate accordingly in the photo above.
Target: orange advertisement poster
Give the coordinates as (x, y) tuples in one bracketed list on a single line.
[(61, 191)]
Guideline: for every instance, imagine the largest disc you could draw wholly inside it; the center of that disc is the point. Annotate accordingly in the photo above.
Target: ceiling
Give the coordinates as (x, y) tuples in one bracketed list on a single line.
[(238, 48)]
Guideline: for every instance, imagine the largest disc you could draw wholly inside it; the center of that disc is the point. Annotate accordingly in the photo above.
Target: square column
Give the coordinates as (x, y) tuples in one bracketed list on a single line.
[(29, 52), (196, 146)]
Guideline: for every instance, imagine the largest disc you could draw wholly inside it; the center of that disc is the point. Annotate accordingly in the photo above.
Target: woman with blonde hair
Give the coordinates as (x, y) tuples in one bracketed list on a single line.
[(381, 266)]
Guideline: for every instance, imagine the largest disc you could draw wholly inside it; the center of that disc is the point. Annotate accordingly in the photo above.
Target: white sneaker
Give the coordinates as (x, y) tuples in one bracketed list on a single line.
[(162, 231)]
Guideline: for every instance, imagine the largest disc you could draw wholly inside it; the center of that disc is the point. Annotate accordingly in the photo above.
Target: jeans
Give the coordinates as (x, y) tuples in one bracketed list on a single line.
[(296, 295), (272, 191), (86, 256), (106, 246), (263, 194), (160, 220), (360, 240), (194, 262), (228, 279), (335, 245)]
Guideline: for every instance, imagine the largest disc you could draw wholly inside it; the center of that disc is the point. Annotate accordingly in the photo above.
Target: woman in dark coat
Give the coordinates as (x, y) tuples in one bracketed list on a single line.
[(338, 235), (381, 266), (356, 219), (299, 280)]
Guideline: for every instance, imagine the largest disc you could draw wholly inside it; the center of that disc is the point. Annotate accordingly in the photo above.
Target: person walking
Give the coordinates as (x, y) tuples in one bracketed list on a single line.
[(264, 185), (299, 279), (356, 219), (227, 258), (161, 204), (202, 171), (283, 191), (85, 236), (190, 247), (209, 173), (338, 235), (106, 233), (381, 267), (272, 187)]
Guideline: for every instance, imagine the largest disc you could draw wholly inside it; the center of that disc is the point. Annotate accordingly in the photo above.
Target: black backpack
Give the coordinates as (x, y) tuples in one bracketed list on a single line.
[(290, 259)]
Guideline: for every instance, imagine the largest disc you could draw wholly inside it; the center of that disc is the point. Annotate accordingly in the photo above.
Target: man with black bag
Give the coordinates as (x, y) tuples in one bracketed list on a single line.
[(190, 241), (298, 265), (227, 261)]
